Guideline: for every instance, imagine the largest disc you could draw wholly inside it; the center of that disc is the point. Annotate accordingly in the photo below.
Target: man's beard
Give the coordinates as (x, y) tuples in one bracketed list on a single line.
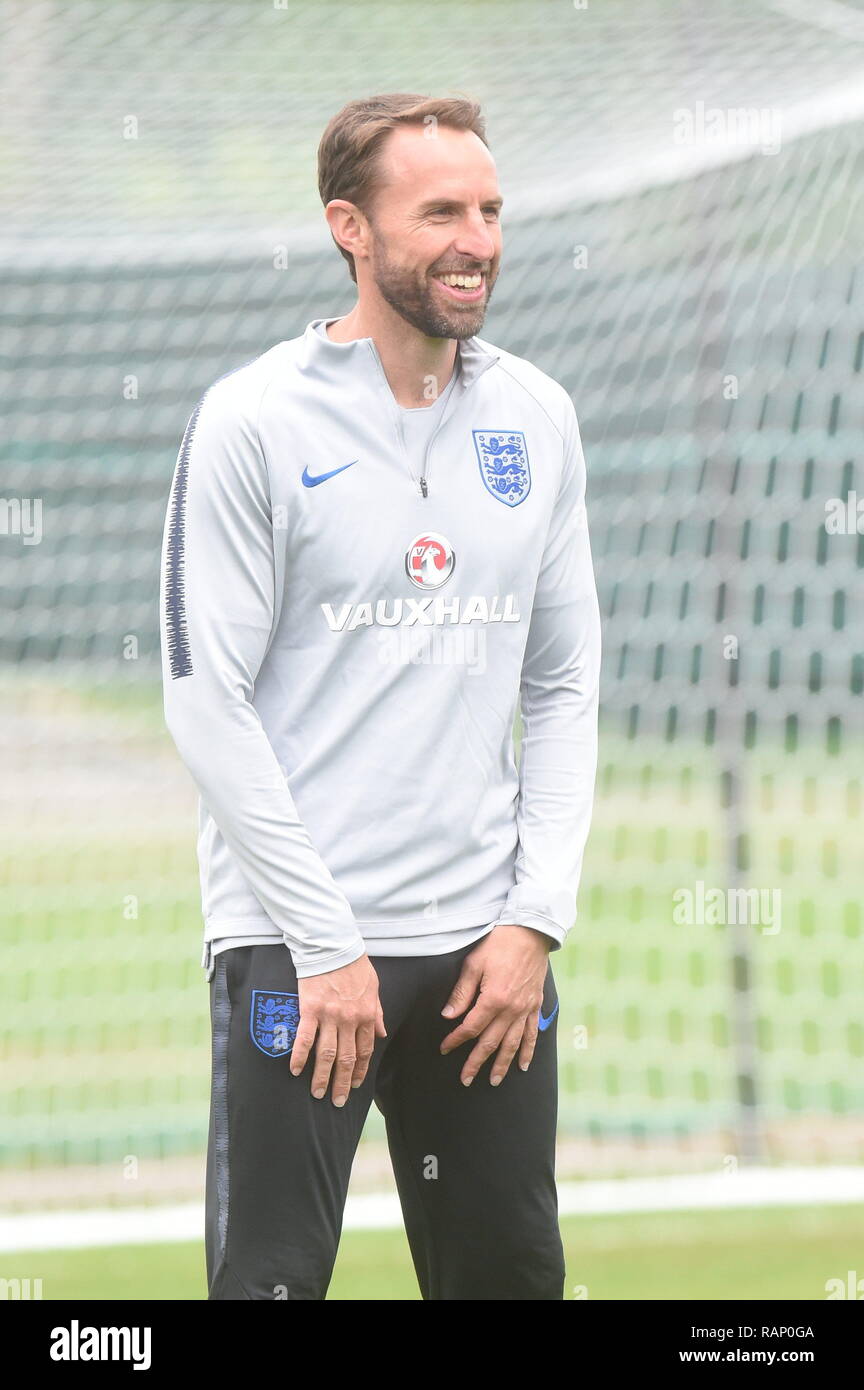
[(417, 302)]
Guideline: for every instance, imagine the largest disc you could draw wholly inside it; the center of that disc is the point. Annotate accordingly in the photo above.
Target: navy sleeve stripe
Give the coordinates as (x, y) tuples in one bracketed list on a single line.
[(179, 651)]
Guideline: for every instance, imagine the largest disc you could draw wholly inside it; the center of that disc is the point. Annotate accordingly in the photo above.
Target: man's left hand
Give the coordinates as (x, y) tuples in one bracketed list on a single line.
[(509, 969)]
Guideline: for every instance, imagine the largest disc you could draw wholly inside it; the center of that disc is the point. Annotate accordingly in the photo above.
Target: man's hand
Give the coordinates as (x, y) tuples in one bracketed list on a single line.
[(343, 1008), (509, 968)]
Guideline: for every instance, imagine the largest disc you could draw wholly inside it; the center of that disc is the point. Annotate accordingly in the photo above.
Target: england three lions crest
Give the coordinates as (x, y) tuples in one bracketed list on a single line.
[(273, 1022), (504, 467)]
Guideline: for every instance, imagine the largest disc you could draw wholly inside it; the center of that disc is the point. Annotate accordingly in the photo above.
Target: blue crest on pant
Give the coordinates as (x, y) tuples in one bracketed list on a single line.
[(273, 1022), (504, 467)]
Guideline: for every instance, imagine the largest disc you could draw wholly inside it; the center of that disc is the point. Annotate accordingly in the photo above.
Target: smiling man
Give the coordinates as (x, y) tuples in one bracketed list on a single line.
[(376, 544)]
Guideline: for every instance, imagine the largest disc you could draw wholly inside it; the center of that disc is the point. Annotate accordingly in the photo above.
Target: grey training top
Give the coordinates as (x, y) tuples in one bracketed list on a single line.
[(349, 616)]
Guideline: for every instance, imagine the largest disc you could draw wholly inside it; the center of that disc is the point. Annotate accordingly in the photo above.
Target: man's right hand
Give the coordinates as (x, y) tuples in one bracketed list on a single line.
[(342, 1008)]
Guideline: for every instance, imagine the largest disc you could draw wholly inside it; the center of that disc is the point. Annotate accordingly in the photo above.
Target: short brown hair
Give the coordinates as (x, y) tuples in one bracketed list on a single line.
[(349, 148)]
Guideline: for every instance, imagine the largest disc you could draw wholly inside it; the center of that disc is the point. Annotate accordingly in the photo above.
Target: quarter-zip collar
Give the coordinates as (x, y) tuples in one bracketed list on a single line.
[(360, 355), (341, 367)]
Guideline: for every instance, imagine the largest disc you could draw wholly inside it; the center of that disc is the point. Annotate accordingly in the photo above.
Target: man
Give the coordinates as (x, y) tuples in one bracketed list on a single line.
[(376, 536)]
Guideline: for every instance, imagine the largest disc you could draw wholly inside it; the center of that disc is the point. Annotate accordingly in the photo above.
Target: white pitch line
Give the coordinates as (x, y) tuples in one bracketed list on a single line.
[(748, 1187), (744, 1187)]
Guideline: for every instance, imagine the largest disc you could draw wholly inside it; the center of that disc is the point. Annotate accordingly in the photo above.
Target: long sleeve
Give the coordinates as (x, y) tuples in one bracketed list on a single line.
[(559, 692), (218, 610)]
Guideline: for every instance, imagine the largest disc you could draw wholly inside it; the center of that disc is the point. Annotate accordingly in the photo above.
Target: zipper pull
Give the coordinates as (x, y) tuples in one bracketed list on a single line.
[(423, 488)]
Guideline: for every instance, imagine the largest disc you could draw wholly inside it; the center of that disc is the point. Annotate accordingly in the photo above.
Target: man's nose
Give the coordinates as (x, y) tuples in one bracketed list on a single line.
[(476, 240)]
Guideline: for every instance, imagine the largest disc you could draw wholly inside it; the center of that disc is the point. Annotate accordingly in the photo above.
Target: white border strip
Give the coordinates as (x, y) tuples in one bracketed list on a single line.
[(748, 1187)]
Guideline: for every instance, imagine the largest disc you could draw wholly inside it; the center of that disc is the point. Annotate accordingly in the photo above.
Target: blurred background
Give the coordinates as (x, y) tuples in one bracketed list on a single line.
[(683, 222)]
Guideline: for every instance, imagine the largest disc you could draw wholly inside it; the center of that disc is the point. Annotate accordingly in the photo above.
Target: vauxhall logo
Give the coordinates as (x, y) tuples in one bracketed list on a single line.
[(432, 611), (429, 563), (429, 560)]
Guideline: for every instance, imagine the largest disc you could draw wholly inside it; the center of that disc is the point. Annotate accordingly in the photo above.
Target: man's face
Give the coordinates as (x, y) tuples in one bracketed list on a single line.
[(436, 214)]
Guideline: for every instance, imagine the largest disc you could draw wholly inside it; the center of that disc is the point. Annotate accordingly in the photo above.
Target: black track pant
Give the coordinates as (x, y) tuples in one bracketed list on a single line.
[(474, 1165)]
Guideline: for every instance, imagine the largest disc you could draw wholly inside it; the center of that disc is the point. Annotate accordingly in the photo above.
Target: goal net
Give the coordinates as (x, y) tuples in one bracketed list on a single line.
[(683, 222)]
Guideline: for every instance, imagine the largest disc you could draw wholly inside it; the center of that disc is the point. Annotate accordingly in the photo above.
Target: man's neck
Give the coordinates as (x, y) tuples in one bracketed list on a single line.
[(417, 368)]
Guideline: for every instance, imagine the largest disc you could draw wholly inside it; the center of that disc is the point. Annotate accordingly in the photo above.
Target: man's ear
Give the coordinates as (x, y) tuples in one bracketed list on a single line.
[(349, 227)]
